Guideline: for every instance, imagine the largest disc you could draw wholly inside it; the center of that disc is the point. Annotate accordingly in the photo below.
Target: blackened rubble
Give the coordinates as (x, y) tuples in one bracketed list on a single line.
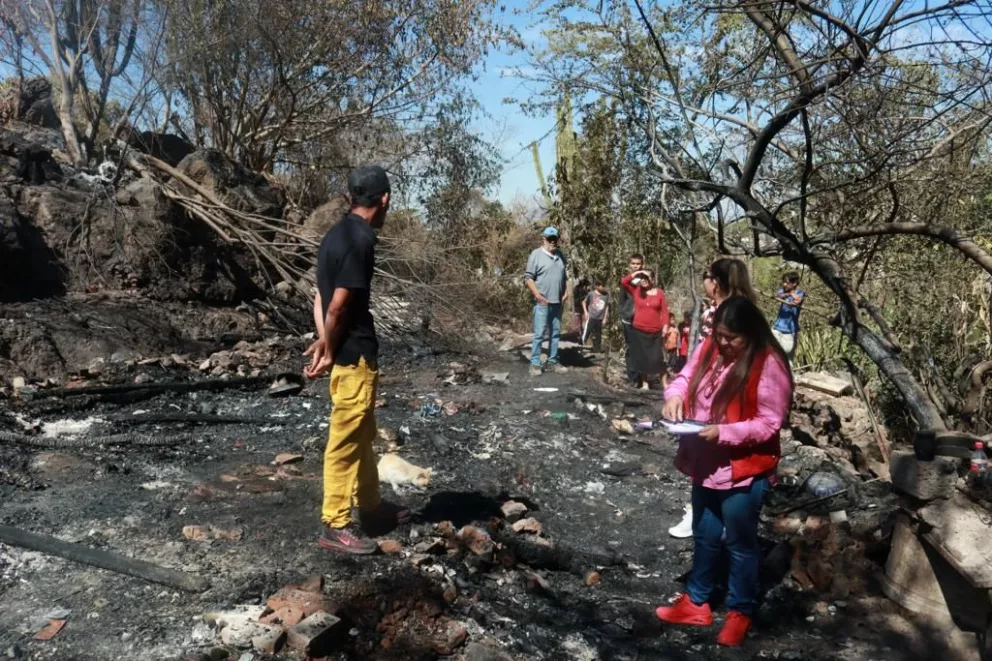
[(583, 587)]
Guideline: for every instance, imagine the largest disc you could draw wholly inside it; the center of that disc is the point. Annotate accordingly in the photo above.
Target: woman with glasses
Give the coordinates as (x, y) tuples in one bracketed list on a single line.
[(724, 278), (738, 383)]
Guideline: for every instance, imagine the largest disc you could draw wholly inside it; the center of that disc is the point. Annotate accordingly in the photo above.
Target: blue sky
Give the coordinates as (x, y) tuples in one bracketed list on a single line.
[(505, 125)]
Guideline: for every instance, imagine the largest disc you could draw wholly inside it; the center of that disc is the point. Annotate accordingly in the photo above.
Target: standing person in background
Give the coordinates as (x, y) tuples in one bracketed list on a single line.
[(635, 263), (671, 348), (547, 280), (579, 293), (706, 317), (684, 329), (738, 382), (786, 328), (648, 326), (596, 307), (725, 278)]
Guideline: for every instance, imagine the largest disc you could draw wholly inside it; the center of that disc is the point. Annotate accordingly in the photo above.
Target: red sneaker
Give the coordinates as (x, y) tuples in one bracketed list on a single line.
[(349, 539), (686, 612), (734, 630)]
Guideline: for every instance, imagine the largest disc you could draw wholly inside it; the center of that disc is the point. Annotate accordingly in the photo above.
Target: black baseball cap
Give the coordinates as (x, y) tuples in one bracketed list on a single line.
[(368, 182)]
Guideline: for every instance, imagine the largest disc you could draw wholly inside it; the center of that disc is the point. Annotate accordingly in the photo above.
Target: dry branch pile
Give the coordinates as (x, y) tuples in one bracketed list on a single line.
[(284, 253)]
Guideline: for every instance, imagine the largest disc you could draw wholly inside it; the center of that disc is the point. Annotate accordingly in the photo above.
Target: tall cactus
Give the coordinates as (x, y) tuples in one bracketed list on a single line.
[(566, 143), (540, 175)]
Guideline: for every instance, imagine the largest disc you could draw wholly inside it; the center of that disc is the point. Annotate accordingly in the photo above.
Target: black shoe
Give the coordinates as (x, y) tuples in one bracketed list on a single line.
[(349, 539)]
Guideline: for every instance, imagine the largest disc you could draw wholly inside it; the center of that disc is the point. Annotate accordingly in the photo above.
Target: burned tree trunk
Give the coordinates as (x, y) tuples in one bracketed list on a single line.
[(918, 401)]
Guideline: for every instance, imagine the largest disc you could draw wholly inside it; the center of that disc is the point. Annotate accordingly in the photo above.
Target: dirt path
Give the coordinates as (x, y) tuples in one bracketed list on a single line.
[(500, 445)]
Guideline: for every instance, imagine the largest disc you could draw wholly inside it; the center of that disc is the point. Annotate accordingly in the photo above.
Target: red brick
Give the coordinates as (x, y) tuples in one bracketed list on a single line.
[(270, 641), (200, 493), (532, 526), (316, 635), (287, 617), (315, 583), (592, 578), (287, 458), (50, 630), (390, 546), (306, 602), (450, 638), (477, 541)]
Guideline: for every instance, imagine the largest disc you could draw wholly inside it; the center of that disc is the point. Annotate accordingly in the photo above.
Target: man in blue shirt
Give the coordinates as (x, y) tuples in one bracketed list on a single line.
[(786, 328), (546, 278)]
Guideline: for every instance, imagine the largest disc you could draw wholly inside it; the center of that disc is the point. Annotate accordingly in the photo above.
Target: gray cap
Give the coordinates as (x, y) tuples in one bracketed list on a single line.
[(368, 182)]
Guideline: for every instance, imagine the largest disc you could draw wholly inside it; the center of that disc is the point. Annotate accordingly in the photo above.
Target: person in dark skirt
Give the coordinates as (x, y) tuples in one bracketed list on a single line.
[(648, 327), (579, 294)]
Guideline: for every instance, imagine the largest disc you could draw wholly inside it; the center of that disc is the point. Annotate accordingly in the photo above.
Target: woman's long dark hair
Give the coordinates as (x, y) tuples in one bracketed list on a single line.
[(732, 276), (741, 317)]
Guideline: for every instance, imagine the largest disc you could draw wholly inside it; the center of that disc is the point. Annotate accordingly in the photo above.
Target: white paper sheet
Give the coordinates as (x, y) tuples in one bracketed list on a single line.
[(684, 427)]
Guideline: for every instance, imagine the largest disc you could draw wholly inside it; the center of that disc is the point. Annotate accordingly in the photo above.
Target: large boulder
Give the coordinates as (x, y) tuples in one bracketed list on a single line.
[(33, 100), (325, 216), (29, 269), (166, 147), (138, 239), (235, 185), (26, 153)]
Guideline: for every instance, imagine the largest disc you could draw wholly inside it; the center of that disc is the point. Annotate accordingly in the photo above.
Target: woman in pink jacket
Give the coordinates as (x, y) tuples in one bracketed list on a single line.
[(737, 382)]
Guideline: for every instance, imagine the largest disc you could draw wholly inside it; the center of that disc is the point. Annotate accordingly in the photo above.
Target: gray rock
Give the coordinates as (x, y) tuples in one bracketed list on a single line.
[(35, 103), (480, 652), (923, 480), (234, 184)]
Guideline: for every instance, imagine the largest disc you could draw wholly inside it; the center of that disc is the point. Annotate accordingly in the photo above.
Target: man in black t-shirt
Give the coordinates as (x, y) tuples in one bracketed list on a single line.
[(346, 346)]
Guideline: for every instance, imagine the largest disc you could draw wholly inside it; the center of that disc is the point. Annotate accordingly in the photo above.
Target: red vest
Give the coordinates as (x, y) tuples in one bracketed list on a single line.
[(754, 459)]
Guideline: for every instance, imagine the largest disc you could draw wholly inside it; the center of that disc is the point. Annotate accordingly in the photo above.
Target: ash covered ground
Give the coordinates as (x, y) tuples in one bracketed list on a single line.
[(584, 588)]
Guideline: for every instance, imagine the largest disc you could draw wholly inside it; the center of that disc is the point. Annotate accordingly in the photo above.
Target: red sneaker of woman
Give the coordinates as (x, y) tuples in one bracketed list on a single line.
[(686, 612), (734, 630)]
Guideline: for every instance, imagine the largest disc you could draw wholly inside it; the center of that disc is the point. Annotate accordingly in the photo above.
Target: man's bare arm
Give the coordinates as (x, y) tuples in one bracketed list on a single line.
[(318, 315), (336, 319), (793, 300)]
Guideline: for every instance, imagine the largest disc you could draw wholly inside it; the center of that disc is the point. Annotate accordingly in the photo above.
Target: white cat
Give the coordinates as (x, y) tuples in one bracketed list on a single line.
[(399, 472)]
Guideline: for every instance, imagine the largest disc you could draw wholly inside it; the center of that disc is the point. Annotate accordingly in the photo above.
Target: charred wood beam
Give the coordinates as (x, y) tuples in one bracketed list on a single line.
[(70, 442), (172, 386), (103, 559)]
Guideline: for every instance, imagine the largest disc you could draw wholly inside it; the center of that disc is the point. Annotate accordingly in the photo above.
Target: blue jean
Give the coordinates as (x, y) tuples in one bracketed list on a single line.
[(736, 511), (546, 316)]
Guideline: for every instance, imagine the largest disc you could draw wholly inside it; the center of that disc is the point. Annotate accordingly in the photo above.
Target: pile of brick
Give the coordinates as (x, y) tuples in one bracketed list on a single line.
[(297, 616)]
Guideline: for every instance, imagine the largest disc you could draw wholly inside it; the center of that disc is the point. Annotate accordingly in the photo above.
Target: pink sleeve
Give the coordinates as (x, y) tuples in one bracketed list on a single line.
[(774, 400), (679, 387)]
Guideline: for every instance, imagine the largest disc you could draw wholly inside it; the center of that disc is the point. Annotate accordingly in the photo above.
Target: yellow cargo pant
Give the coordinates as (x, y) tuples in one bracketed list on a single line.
[(350, 473)]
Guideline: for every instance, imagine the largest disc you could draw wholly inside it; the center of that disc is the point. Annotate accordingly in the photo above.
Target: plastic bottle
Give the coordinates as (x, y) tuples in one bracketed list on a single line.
[(979, 461)]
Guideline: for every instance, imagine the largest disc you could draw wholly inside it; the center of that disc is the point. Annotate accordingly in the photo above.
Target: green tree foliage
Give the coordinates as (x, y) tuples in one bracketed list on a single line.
[(844, 138)]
